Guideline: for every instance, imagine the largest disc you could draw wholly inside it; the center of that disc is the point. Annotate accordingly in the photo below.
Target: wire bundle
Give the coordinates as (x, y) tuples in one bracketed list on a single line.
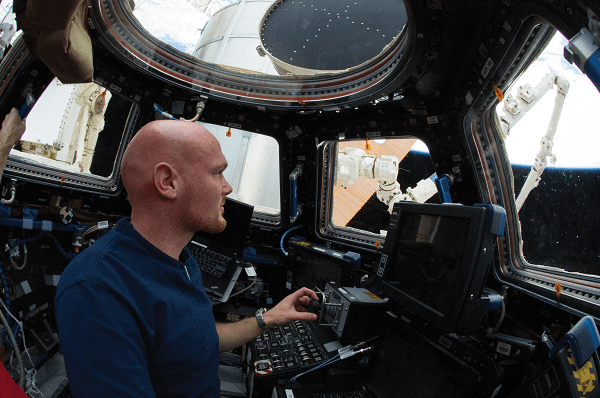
[(343, 353), (328, 362), (27, 378)]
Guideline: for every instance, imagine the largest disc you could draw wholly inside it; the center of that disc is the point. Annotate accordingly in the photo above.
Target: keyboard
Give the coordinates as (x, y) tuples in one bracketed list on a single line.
[(288, 349), (211, 262), (219, 271), (310, 392), (351, 394)]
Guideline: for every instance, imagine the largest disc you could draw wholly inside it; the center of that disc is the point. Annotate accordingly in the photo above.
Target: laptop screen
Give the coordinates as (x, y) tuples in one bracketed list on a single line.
[(233, 238)]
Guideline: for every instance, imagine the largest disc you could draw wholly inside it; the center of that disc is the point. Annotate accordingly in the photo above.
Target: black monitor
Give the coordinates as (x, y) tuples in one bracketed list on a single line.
[(234, 237), (435, 261), (313, 266)]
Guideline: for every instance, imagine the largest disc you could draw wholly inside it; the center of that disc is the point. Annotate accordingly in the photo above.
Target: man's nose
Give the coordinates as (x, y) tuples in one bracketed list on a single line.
[(228, 188)]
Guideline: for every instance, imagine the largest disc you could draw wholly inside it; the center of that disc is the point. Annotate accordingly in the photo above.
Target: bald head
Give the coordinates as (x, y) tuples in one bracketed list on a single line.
[(171, 142)]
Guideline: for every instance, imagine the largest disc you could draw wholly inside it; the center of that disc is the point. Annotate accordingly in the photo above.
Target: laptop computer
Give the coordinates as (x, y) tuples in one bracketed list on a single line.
[(218, 255)]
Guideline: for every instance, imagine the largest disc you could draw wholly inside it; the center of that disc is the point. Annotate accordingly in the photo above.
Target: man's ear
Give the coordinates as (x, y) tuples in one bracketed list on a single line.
[(166, 180)]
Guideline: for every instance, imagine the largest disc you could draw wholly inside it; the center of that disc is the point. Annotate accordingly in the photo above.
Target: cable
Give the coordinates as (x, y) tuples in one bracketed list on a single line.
[(199, 108), (5, 288), (67, 255), (32, 389), (502, 313), (165, 114), (328, 362), (343, 353), (246, 288), (283, 237), (27, 379), (16, 243), (363, 343), (92, 229), (6, 297), (20, 366), (13, 193), (88, 231)]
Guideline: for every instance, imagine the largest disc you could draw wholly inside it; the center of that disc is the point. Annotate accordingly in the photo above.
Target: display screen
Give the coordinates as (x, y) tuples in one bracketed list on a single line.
[(313, 270), (234, 237), (427, 258)]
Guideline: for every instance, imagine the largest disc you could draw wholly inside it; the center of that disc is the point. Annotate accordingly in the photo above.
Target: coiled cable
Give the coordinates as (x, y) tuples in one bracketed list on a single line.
[(283, 237)]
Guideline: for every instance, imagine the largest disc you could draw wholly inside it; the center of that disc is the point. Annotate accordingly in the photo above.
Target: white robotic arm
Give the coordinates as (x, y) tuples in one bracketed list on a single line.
[(527, 97), (545, 152), (514, 110), (8, 28), (353, 163)]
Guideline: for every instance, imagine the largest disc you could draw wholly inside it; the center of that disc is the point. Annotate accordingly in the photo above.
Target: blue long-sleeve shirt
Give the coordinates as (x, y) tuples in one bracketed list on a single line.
[(132, 324)]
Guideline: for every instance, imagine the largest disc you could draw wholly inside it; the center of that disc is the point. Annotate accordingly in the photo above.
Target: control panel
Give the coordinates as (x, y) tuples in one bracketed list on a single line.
[(287, 349)]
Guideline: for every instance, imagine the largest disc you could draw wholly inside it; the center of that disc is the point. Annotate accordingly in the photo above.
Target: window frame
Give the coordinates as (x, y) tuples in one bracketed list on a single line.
[(578, 293), (118, 30), (326, 183), (19, 61)]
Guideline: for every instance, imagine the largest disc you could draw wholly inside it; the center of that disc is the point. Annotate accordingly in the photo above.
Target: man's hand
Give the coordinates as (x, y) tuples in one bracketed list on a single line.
[(12, 129), (291, 308)]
